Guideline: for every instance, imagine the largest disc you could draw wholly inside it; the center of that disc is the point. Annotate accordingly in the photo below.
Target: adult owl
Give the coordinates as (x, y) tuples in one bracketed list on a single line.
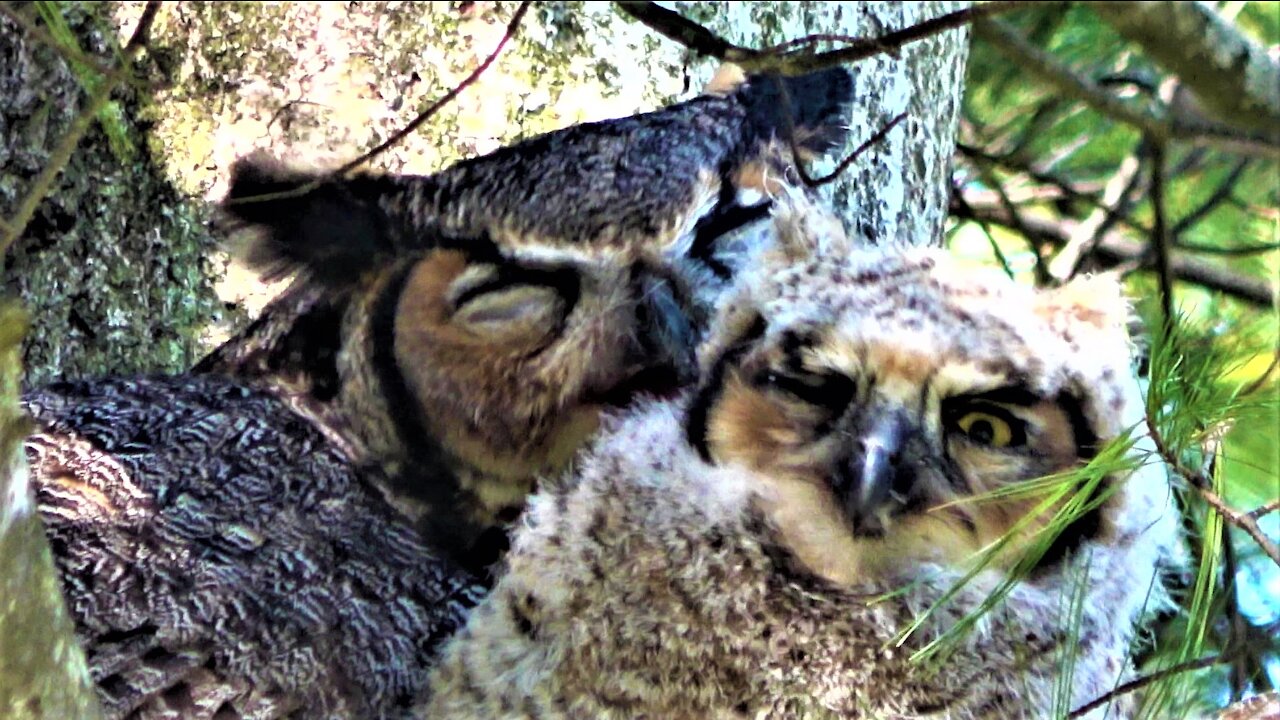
[(867, 433), (463, 331), (225, 539)]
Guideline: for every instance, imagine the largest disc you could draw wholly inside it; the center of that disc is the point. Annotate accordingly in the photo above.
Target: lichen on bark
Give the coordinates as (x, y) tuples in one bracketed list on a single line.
[(113, 265)]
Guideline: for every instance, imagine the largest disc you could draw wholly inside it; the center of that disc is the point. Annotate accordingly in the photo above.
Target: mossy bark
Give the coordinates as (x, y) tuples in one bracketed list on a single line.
[(42, 669), (113, 265)]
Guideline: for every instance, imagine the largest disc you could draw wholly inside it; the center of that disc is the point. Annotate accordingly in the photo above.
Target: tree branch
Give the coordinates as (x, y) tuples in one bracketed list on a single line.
[(1087, 235), (1145, 680), (1262, 510), (1043, 276), (1243, 520), (1222, 192), (1116, 248), (1242, 250), (1171, 126), (1232, 76), (793, 57), (686, 32), (1198, 482), (1059, 186), (1159, 234)]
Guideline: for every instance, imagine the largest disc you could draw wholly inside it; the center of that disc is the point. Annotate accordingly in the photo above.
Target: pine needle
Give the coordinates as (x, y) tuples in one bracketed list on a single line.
[(111, 117)]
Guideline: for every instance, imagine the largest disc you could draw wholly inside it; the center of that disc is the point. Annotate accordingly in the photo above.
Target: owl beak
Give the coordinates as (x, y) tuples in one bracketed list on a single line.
[(661, 359), (667, 336), (869, 482)]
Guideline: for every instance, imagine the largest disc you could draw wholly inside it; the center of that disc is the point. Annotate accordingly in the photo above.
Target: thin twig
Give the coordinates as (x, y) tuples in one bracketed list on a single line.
[(957, 196), (1169, 125), (1237, 627), (1116, 248), (676, 27), (1043, 276), (1229, 251), (1224, 191), (1145, 680), (801, 63), (1242, 520), (61, 155), (1071, 192), (513, 28), (1046, 115), (1262, 510), (1261, 380), (1159, 237), (1242, 665), (840, 168)]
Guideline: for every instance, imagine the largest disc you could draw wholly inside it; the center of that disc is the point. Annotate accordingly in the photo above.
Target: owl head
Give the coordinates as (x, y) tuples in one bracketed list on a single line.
[(466, 367), (895, 406)]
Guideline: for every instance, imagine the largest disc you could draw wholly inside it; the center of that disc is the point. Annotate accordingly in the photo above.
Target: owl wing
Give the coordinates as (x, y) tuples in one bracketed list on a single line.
[(220, 559)]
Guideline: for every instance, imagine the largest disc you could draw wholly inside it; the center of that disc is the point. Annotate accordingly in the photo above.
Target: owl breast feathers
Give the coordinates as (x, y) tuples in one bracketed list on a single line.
[(866, 427)]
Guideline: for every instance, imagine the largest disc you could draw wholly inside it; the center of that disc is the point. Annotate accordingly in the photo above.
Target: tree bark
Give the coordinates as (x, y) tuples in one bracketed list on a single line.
[(1232, 76), (42, 670), (321, 83), (112, 265)]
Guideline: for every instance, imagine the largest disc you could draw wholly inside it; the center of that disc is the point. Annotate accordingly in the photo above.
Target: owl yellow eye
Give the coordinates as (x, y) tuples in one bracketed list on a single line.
[(990, 429)]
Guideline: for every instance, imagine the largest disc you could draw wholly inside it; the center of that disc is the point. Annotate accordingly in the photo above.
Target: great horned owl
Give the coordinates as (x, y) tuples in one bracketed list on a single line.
[(225, 556), (754, 549), (463, 331), (221, 560)]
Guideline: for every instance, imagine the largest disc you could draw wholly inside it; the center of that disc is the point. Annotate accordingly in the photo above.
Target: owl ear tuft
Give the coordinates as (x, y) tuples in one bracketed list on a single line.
[(287, 219)]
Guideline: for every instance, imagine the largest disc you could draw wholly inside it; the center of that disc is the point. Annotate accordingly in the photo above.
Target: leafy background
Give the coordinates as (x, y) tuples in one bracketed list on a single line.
[(1022, 143)]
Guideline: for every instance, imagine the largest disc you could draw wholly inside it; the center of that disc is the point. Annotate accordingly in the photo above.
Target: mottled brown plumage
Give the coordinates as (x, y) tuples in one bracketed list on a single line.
[(728, 554), (226, 544), (463, 331), (221, 559)]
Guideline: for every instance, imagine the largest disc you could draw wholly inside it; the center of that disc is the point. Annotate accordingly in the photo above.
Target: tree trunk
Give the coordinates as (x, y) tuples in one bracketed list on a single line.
[(320, 83), (112, 264), (42, 670), (118, 271)]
